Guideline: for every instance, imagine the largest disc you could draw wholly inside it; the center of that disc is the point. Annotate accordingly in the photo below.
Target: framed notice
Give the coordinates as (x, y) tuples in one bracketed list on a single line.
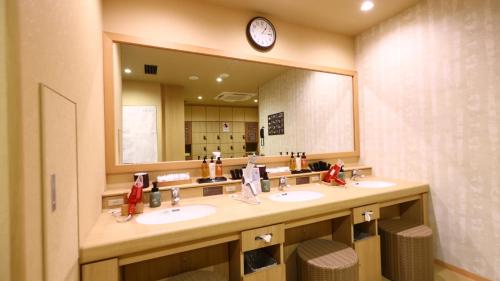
[(276, 124)]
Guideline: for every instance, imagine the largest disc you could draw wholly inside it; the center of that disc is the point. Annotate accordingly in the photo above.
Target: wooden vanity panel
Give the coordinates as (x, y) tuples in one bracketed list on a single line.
[(368, 251), (275, 273), (249, 241), (106, 270), (358, 213), (214, 258)]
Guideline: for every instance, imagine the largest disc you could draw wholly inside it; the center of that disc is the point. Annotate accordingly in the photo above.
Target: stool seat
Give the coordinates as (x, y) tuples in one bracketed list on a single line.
[(326, 260), (196, 276), (407, 251)]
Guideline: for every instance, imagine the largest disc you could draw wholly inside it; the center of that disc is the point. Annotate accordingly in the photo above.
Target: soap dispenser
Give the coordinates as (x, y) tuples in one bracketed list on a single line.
[(155, 196), (218, 168), (211, 168), (303, 161), (298, 163), (204, 168), (292, 163)]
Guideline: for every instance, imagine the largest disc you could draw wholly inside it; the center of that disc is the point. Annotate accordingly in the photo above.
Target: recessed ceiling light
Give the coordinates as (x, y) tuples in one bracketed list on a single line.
[(193, 77), (218, 79), (127, 70), (255, 100), (367, 5), (224, 75), (200, 97)]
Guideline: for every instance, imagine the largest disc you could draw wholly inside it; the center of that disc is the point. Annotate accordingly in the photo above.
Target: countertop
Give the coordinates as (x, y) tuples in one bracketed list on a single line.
[(109, 239)]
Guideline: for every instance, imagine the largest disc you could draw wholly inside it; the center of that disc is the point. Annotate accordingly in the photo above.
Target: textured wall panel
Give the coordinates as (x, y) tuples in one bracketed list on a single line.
[(430, 110), (318, 112)]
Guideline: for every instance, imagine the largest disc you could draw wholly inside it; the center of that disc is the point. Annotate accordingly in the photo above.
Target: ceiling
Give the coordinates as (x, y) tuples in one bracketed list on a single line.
[(174, 68), (338, 16)]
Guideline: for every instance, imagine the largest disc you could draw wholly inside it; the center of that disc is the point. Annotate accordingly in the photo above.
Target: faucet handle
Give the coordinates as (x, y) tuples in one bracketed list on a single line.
[(356, 173), (175, 195), (283, 184)]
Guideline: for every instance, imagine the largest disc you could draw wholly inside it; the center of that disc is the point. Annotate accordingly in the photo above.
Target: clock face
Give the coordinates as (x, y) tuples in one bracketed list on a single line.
[(261, 33)]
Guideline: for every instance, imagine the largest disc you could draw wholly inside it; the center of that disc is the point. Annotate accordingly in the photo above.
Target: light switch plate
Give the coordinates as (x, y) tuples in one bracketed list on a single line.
[(115, 202)]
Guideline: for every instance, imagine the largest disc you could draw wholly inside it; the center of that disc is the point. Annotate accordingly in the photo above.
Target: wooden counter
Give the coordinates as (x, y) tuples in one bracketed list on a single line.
[(109, 239)]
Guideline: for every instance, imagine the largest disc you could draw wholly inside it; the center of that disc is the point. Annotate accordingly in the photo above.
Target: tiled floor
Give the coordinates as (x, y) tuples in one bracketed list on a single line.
[(443, 274)]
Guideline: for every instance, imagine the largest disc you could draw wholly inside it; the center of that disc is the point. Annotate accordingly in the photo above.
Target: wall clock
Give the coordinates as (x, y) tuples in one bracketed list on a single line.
[(261, 33)]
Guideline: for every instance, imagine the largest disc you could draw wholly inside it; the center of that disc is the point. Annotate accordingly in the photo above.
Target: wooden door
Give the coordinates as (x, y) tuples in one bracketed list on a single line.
[(60, 187)]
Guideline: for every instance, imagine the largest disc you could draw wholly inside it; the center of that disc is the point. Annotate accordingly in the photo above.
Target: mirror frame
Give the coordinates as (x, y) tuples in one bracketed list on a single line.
[(109, 123)]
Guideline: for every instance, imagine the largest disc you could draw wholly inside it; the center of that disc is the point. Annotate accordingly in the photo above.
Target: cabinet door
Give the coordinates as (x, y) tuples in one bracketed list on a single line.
[(227, 148), (239, 148), (251, 114), (226, 113), (213, 138), (212, 113), (251, 132), (198, 113), (238, 114), (226, 138), (238, 127), (199, 149), (199, 127), (212, 127), (368, 251), (188, 132), (211, 147), (188, 113), (199, 138)]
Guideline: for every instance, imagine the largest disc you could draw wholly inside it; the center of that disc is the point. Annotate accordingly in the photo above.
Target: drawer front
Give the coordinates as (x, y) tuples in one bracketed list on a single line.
[(249, 240), (275, 273), (358, 214)]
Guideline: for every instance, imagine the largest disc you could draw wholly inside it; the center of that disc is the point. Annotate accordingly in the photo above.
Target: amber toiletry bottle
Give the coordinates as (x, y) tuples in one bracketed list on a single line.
[(303, 161), (292, 163), (204, 168), (218, 167)]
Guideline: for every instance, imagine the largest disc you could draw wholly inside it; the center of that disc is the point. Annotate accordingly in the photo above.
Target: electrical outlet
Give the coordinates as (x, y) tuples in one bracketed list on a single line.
[(115, 202), (230, 188)]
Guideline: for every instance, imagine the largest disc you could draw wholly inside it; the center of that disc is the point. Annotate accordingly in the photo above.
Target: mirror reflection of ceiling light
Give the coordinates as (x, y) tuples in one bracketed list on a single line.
[(200, 97), (367, 6), (255, 100), (127, 70), (224, 75), (193, 77), (218, 79)]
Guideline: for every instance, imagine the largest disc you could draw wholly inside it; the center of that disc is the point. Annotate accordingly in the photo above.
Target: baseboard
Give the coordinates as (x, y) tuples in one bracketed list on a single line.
[(460, 271)]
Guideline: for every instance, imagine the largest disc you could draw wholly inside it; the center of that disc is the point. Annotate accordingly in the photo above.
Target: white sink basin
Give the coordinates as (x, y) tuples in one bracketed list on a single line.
[(373, 184), (173, 215), (296, 196)]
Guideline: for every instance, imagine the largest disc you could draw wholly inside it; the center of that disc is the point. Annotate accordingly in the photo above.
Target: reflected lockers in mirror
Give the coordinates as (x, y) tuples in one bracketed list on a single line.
[(172, 106)]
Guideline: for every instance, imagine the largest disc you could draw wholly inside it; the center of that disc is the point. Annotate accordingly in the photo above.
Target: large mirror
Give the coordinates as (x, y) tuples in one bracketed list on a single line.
[(172, 105)]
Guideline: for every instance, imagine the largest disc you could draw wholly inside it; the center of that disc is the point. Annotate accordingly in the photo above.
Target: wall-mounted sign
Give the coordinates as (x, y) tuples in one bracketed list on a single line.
[(276, 124), (226, 127)]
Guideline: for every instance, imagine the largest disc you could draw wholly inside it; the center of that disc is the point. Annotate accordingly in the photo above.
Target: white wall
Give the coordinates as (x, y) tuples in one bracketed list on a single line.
[(59, 43), (318, 111), (430, 110)]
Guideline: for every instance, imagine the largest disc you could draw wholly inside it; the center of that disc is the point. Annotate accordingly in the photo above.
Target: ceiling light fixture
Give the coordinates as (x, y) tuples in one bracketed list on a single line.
[(224, 75), (255, 100), (193, 77), (127, 70), (367, 6), (218, 79), (200, 97)]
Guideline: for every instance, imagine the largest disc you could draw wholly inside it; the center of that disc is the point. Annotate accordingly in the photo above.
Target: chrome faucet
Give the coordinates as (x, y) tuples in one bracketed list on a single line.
[(283, 184), (175, 196), (356, 174)]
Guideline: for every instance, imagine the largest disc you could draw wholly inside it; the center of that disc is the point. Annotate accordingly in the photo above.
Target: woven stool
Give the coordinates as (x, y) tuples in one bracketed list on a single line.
[(196, 276), (326, 260), (407, 253)]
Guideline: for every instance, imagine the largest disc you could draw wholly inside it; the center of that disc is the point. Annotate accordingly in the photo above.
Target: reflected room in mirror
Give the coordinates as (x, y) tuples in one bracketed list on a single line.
[(172, 106)]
